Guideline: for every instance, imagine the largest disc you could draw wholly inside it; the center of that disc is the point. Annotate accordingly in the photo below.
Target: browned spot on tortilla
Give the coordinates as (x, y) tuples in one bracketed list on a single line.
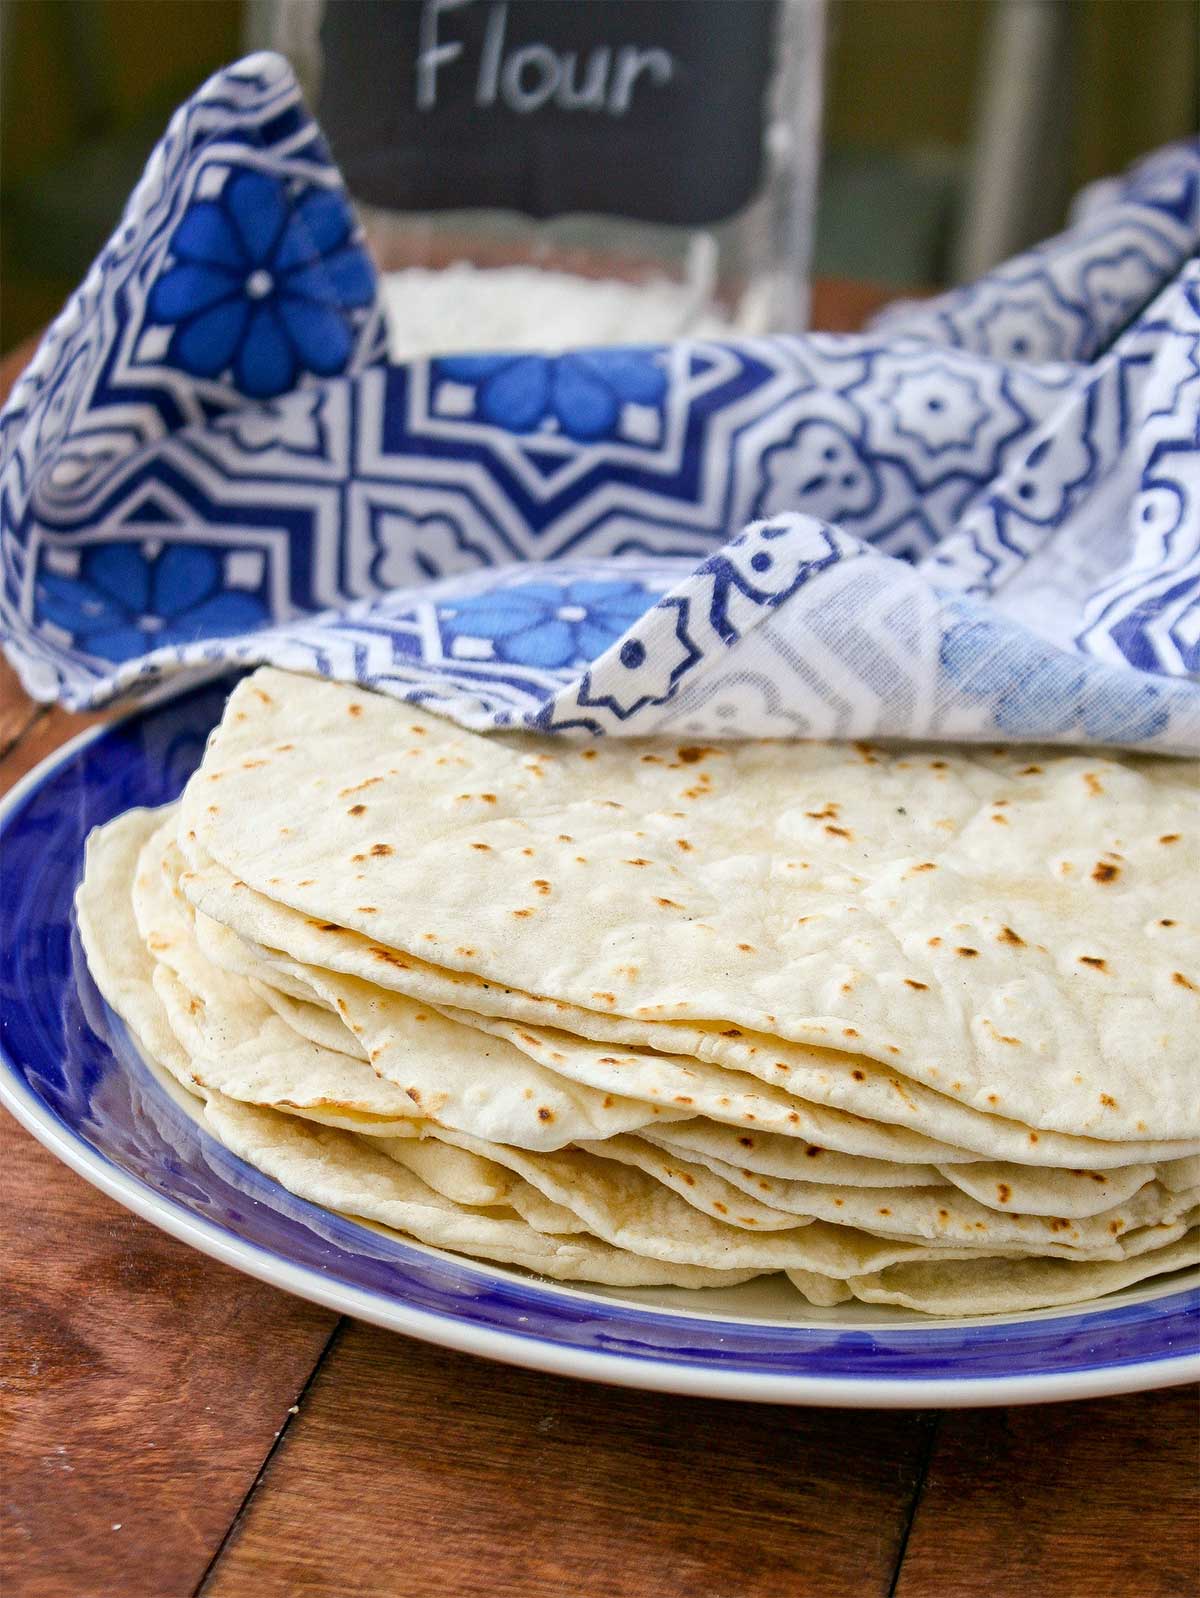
[(368, 909), (780, 1066), (355, 860), (652, 760), (1169, 837), (859, 1076), (849, 1032), (682, 843), (1095, 961), (746, 948), (587, 754), (638, 861), (541, 885), (1178, 978), (721, 1209), (252, 765), (690, 753), (918, 987), (937, 765), (993, 1098), (1116, 1226), (389, 957), (215, 810), (354, 710), (565, 837), (925, 865), (884, 1211), (1108, 1101), (1003, 1192), (681, 1098), (430, 937), (1033, 1137), (357, 810), (1007, 935), (466, 953), (935, 943), (259, 693), (357, 787), (1000, 820), (1102, 871), (967, 953), (1030, 771), (605, 998), (1166, 922), (544, 1114), (305, 882), (609, 1101), (828, 813), (329, 926), (668, 904), (746, 1142), (609, 804), (837, 832), (793, 1117), (525, 912)]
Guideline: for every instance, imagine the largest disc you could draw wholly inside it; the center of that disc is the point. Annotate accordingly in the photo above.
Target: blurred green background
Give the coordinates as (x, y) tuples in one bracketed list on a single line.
[(912, 86)]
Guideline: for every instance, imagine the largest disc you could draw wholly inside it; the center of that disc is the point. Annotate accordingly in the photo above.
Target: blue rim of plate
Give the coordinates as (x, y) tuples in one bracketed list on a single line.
[(70, 1073)]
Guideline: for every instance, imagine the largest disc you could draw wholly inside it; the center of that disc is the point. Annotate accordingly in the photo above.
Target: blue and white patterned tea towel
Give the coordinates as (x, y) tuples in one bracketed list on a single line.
[(979, 520)]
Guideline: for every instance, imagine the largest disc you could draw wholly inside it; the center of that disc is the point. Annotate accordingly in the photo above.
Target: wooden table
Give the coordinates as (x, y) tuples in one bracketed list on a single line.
[(172, 1428)]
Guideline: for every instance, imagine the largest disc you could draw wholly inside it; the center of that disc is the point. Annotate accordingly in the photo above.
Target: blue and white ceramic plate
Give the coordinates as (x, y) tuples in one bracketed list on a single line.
[(71, 1074)]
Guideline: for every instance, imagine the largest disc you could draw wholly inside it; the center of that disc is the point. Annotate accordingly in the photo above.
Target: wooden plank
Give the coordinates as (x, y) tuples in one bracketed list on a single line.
[(1102, 1497), (415, 1473), (143, 1386), (44, 734), (17, 710)]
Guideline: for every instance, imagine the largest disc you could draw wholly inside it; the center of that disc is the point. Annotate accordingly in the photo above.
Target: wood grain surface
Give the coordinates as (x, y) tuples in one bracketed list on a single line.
[(171, 1429)]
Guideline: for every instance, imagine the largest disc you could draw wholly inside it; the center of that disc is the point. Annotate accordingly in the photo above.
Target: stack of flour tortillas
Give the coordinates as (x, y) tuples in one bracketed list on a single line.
[(916, 1027)]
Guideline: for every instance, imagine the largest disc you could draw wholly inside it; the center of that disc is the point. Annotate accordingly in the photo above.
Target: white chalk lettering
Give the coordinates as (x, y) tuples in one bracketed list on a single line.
[(589, 97), (546, 69), (430, 54), (493, 52), (631, 63), (533, 74)]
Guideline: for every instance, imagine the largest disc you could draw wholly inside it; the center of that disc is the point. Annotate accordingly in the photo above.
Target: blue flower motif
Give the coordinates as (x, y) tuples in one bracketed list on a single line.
[(264, 283), (583, 391), (547, 624), (1038, 691), (123, 602)]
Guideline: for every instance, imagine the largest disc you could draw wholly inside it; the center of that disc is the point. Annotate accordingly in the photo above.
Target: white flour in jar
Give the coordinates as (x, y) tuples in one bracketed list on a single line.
[(463, 308)]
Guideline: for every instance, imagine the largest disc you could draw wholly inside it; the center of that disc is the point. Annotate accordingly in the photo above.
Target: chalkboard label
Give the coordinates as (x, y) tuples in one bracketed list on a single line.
[(646, 109)]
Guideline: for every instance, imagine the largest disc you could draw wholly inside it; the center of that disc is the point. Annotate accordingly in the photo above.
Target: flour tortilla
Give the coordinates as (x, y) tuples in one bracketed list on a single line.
[(325, 1165), (420, 1063), (631, 1210), (248, 932), (1023, 928), (995, 1287), (337, 1168), (933, 1210), (1029, 1190)]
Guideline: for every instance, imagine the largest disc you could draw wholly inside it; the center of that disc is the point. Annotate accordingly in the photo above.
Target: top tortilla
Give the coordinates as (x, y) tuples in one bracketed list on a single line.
[(1017, 932)]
